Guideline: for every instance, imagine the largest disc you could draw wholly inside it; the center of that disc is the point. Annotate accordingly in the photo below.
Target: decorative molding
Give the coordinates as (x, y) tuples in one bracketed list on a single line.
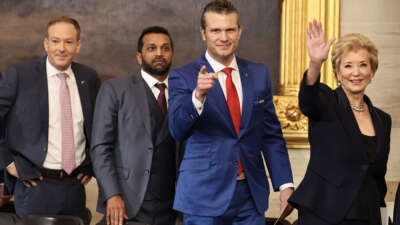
[(294, 61), (294, 124)]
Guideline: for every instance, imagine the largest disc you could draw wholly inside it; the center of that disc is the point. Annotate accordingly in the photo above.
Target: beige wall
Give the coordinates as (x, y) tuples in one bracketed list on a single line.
[(380, 21)]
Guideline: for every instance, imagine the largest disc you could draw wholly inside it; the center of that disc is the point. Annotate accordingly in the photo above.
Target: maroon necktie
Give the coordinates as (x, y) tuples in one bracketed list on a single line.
[(161, 97), (67, 132), (232, 99)]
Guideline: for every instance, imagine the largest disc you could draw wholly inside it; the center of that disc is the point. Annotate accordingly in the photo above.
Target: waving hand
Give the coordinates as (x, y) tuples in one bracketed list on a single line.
[(318, 49)]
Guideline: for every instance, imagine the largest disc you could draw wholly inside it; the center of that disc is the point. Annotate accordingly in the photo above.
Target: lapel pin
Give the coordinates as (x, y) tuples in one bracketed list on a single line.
[(83, 81)]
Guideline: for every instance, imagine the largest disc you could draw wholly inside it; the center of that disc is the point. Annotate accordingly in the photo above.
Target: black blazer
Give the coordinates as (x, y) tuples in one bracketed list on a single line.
[(338, 158), (24, 109)]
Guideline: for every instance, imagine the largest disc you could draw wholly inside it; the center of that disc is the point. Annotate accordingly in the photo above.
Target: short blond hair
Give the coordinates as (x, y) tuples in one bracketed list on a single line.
[(354, 42)]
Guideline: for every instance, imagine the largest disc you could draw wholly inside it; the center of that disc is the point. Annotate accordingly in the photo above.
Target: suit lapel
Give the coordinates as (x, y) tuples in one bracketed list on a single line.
[(247, 94), (378, 126), (41, 75), (139, 93), (83, 90), (350, 124), (163, 132), (218, 96)]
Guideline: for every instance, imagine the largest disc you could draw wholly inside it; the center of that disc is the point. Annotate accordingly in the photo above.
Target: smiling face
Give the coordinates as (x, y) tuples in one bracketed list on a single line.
[(221, 34), (355, 71), (62, 44)]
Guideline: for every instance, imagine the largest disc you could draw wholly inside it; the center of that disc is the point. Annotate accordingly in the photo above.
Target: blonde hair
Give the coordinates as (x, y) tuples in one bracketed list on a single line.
[(354, 42)]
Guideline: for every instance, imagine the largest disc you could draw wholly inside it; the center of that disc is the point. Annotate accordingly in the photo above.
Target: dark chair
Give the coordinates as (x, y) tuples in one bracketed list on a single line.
[(88, 217), (46, 219), (40, 219), (271, 221), (8, 218), (8, 208)]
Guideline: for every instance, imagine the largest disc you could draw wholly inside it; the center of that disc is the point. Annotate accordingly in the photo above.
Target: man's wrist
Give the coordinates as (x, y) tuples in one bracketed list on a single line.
[(285, 186), (199, 96), (10, 165), (197, 103)]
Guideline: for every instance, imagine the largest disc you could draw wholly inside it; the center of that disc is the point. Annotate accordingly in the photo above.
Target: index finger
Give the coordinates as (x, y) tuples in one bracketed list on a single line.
[(121, 217), (214, 76), (80, 175), (108, 217), (203, 70)]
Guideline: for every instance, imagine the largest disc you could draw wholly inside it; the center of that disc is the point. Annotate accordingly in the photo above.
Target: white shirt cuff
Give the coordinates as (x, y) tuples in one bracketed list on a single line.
[(10, 164), (197, 104), (287, 185)]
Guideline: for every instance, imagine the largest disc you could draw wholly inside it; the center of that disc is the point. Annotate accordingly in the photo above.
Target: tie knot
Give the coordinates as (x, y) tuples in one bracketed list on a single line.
[(62, 76), (227, 71), (160, 86)]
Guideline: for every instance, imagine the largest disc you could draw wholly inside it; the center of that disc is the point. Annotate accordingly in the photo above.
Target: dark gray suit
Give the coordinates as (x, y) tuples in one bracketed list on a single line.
[(132, 150)]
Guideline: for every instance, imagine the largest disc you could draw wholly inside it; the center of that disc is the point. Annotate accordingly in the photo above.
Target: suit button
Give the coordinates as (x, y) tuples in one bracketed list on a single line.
[(146, 172), (44, 149), (150, 148), (235, 162)]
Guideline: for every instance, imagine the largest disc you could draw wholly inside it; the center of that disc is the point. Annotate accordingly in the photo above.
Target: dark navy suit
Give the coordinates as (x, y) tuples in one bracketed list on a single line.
[(25, 111)]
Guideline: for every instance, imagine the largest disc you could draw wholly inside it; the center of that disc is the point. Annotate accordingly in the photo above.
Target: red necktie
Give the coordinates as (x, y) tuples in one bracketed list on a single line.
[(67, 132), (232, 99), (161, 97)]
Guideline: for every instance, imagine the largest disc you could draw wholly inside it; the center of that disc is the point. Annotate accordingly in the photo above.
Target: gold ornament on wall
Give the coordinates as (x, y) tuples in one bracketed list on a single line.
[(295, 15)]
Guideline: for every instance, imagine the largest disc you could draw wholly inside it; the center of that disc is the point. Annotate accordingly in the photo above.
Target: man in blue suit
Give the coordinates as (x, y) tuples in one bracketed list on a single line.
[(47, 108), (222, 105)]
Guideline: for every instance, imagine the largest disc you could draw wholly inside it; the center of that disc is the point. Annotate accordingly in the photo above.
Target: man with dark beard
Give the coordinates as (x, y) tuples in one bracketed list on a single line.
[(132, 150)]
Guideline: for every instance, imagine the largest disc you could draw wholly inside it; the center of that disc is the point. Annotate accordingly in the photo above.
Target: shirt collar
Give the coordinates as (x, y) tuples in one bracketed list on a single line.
[(150, 80), (52, 71), (217, 66)]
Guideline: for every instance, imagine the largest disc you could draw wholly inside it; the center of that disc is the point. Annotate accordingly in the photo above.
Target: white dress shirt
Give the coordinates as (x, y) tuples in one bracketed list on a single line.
[(53, 157), (151, 82), (217, 67)]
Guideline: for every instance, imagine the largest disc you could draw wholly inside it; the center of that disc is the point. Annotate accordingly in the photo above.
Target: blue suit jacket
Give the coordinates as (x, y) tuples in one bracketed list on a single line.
[(24, 109), (208, 171)]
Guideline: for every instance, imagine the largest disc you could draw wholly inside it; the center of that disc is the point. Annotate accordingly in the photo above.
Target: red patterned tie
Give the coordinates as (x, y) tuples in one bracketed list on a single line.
[(232, 99), (161, 97), (67, 132)]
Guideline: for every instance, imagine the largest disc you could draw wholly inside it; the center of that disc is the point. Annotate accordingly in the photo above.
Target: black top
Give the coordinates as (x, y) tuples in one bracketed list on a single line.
[(370, 142), (364, 207)]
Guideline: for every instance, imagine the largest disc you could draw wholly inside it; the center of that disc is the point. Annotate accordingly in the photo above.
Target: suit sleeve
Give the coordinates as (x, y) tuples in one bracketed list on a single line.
[(314, 99), (103, 141), (8, 93), (275, 152), (182, 113)]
